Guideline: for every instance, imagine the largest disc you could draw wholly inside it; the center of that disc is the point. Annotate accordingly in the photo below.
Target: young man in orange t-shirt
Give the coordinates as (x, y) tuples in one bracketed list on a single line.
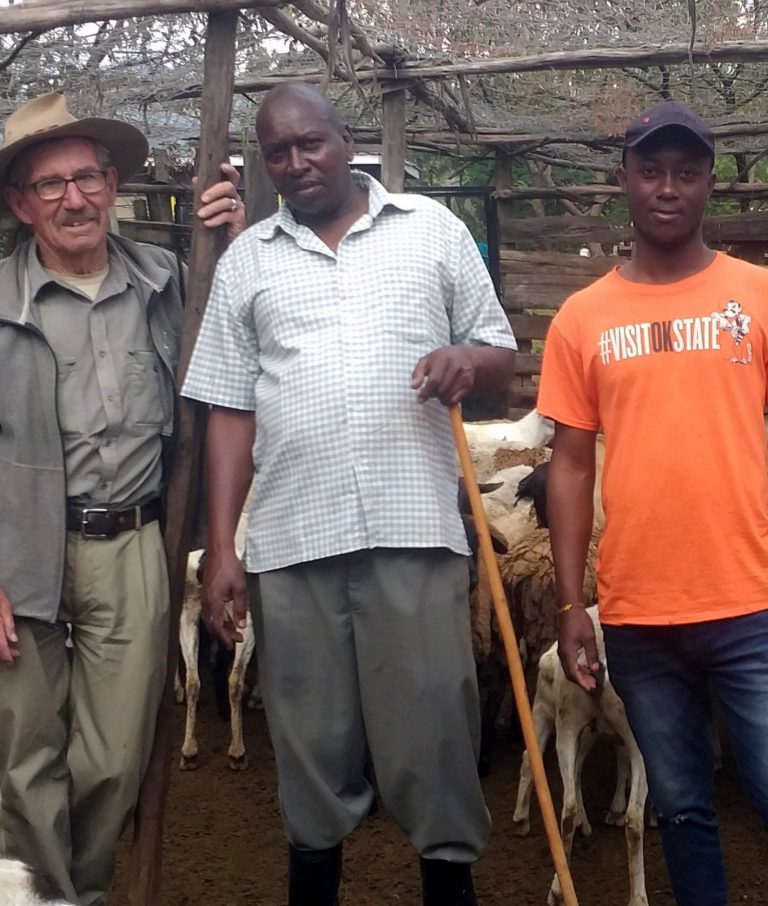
[(668, 355)]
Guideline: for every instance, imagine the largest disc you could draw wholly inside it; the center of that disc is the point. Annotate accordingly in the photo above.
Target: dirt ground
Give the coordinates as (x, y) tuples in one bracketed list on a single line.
[(224, 844)]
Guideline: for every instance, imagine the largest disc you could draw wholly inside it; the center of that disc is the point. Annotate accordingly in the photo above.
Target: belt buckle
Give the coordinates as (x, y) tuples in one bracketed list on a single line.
[(85, 522)]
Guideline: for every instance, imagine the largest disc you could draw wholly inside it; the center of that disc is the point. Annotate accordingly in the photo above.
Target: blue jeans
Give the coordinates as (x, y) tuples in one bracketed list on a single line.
[(666, 676)]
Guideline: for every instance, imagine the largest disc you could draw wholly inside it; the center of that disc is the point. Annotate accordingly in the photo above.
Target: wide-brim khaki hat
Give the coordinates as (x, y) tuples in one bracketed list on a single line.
[(47, 118)]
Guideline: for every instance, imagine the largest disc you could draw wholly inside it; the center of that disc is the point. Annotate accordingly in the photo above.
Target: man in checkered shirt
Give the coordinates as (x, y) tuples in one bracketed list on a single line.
[(346, 324)]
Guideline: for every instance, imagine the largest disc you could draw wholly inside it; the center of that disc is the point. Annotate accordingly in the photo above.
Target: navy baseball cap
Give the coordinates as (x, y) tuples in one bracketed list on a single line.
[(668, 113)]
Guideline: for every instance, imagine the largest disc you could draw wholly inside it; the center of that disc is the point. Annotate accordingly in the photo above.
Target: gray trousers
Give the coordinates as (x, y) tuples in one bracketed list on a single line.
[(76, 728), (373, 646)]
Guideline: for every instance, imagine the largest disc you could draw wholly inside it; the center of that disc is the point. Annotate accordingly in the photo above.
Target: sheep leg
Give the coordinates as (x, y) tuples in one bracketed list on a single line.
[(634, 829), (254, 702), (189, 640), (568, 736), (618, 809), (238, 760), (585, 747), (492, 679), (178, 689), (544, 724)]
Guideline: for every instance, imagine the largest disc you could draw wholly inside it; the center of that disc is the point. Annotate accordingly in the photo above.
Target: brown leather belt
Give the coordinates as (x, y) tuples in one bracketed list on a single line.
[(106, 522)]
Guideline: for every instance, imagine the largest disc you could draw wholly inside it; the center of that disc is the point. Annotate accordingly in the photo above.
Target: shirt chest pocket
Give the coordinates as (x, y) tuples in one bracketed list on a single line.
[(142, 401)]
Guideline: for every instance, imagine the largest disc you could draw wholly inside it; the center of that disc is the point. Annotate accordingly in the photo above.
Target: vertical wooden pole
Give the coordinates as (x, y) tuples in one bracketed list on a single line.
[(393, 139), (159, 204), (515, 664), (491, 211), (503, 178), (207, 245), (260, 196)]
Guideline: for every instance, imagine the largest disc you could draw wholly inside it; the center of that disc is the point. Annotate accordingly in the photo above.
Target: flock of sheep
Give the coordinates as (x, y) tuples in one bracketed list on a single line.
[(511, 462)]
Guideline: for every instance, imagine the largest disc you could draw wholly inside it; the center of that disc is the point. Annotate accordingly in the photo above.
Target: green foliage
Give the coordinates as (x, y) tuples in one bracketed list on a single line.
[(443, 170)]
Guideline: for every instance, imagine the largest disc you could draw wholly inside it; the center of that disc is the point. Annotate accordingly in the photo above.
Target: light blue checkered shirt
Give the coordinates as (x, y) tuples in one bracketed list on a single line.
[(322, 347)]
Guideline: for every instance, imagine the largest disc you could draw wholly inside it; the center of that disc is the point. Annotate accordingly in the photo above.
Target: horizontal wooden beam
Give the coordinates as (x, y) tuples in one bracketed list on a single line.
[(44, 16), (575, 266), (588, 192), (516, 143), (169, 235), (155, 188), (529, 327), (527, 364), (523, 398), (598, 58), (527, 141), (751, 226), (513, 258)]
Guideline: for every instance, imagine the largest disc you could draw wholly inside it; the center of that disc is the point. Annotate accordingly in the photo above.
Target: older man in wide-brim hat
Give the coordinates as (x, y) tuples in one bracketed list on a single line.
[(89, 337)]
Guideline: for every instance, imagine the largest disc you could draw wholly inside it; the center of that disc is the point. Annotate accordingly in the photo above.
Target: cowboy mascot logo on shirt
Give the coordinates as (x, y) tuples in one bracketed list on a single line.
[(733, 321)]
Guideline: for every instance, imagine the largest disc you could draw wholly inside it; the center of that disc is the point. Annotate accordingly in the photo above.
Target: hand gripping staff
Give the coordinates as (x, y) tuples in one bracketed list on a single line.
[(514, 662)]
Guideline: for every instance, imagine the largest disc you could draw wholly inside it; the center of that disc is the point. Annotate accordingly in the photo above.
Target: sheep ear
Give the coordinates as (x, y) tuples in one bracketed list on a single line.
[(498, 540), (488, 486)]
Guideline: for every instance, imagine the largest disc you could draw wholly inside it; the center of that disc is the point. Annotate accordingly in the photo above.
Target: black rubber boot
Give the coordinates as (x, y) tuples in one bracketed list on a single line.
[(446, 883), (314, 876)]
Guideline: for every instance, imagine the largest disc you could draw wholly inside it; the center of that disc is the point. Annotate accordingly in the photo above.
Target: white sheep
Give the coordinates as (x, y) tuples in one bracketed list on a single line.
[(21, 885), (189, 640), (577, 717), (486, 439)]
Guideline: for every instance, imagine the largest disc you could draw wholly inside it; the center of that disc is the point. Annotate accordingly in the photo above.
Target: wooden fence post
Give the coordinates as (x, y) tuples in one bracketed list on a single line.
[(207, 245), (393, 139), (260, 196)]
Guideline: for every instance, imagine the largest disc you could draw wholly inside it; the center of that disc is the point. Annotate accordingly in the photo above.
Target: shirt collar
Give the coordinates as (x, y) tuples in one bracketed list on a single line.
[(378, 199), (116, 281)]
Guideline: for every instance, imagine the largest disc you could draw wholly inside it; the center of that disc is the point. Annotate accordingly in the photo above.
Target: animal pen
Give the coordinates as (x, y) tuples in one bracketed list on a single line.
[(547, 238)]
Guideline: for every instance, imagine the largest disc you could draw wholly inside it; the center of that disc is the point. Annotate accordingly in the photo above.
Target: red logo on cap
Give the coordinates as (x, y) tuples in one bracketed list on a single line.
[(646, 119)]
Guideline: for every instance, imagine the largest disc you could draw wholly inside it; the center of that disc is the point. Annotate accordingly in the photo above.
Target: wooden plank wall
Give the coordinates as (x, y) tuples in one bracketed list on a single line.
[(534, 286)]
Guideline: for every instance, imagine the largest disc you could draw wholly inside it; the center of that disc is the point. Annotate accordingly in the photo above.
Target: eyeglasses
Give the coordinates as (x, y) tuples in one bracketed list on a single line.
[(54, 188)]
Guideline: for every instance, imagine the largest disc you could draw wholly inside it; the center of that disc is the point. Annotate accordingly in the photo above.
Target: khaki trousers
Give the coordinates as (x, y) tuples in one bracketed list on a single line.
[(373, 647), (76, 726)]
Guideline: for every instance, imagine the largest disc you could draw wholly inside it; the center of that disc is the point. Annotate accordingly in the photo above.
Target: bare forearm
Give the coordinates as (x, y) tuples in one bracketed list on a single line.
[(570, 513), (494, 367), (229, 465)]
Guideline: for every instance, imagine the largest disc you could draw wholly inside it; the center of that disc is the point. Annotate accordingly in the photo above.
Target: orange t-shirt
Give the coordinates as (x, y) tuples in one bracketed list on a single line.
[(676, 376)]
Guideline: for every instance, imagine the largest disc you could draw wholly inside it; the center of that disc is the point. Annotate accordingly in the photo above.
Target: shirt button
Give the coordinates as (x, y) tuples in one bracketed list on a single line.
[(101, 353), (111, 397)]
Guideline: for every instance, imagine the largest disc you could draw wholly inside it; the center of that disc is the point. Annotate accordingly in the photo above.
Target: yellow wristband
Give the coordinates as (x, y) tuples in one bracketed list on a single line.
[(566, 607)]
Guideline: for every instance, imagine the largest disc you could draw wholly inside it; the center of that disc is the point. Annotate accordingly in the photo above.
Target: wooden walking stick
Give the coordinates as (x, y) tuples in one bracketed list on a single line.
[(514, 663), (207, 245)]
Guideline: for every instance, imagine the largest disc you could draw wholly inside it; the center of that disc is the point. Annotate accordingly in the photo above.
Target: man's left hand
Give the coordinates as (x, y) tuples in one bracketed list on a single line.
[(221, 204), (447, 373)]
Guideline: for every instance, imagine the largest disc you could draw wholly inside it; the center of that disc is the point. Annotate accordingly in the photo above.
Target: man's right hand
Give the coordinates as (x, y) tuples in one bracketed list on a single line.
[(224, 581), (8, 635), (577, 632)]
